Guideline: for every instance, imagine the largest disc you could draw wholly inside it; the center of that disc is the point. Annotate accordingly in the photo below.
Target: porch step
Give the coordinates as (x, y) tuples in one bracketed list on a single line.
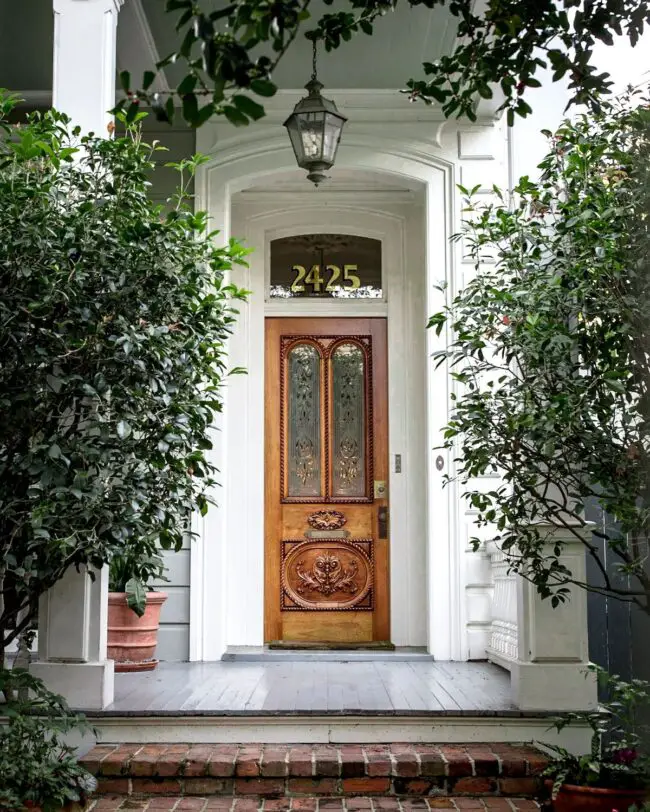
[(284, 771), (305, 654), (181, 803)]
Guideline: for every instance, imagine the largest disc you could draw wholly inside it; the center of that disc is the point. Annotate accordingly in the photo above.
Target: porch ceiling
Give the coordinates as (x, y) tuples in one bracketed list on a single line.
[(395, 52), (26, 36), (402, 40)]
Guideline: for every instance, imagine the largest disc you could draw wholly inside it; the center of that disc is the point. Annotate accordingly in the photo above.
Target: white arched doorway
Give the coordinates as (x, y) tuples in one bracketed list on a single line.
[(253, 191)]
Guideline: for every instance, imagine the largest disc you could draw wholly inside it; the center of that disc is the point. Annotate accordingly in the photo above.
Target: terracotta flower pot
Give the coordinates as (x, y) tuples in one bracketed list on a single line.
[(132, 639), (596, 799)]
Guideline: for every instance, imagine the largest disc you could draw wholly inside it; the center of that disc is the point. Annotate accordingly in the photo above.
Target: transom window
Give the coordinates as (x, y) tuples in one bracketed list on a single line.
[(326, 266)]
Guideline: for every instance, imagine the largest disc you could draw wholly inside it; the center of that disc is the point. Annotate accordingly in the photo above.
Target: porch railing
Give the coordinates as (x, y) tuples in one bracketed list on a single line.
[(504, 642)]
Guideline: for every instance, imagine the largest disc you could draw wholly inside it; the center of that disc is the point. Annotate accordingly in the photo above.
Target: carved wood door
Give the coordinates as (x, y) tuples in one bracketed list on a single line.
[(326, 505)]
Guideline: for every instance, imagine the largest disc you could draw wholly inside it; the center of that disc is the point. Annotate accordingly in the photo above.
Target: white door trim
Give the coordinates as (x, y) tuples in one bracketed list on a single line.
[(408, 584)]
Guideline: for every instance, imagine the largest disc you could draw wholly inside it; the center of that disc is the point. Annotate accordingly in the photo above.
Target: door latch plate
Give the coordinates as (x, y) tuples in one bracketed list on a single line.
[(380, 490)]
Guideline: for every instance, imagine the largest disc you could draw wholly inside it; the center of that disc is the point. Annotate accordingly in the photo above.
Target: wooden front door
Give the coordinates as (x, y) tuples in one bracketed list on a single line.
[(326, 478)]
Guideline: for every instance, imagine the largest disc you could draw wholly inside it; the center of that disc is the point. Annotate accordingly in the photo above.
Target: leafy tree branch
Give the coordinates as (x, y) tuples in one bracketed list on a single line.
[(550, 351), (229, 54)]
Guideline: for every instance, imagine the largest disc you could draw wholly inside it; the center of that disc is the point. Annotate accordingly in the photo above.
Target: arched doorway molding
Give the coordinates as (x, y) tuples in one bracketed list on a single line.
[(220, 568)]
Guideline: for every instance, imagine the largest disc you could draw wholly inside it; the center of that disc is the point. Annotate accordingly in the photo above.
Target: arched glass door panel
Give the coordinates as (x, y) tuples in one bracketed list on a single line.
[(304, 421), (348, 421)]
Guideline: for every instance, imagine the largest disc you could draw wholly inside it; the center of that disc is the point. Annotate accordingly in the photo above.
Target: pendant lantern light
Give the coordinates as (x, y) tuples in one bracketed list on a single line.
[(315, 128)]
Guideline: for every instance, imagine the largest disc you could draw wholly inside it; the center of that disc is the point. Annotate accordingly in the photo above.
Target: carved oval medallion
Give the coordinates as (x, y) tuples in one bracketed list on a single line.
[(326, 520), (326, 575)]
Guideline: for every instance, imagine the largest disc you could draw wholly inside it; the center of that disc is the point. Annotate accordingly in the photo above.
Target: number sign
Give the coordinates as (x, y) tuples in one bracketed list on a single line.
[(325, 266), (331, 280)]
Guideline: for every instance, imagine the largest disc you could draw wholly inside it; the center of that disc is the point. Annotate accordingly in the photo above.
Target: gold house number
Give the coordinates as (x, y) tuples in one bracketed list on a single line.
[(333, 278)]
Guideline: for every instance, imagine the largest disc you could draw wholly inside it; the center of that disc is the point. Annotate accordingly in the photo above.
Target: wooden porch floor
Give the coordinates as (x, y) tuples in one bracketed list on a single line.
[(315, 688)]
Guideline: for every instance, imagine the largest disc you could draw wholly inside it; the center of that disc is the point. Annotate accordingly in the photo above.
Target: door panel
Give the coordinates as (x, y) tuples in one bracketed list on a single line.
[(326, 422)]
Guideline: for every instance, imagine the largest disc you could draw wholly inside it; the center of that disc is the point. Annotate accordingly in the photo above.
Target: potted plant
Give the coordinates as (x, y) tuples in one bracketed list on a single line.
[(134, 609), (615, 774)]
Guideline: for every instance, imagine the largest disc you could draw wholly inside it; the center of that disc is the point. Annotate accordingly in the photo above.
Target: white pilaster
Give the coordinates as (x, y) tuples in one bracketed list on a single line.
[(83, 81), (550, 670), (72, 626), (73, 615)]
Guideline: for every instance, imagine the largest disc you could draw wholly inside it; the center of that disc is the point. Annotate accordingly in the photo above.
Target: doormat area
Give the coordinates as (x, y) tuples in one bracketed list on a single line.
[(298, 645)]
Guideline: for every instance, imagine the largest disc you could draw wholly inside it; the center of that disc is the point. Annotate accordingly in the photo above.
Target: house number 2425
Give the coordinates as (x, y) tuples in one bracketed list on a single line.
[(333, 278)]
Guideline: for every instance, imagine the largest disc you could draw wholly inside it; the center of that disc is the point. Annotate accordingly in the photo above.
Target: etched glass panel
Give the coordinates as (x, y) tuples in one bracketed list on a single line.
[(303, 448), (326, 266), (349, 430)]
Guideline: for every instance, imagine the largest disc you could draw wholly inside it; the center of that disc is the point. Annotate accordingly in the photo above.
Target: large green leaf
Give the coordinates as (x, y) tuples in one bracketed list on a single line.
[(136, 596)]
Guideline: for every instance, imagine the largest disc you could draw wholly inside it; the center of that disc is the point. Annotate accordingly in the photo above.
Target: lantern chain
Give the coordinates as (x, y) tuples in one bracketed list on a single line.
[(314, 77)]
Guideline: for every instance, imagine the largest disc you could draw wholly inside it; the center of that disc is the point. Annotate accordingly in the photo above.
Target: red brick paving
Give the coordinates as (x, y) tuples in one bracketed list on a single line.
[(276, 771), (320, 804), (316, 761)]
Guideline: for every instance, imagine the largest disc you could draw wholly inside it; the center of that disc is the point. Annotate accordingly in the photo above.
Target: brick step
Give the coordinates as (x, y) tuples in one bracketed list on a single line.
[(276, 771), (359, 804)]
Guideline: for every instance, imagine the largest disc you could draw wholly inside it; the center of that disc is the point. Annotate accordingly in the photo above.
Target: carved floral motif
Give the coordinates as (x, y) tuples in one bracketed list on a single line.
[(327, 576), (326, 520)]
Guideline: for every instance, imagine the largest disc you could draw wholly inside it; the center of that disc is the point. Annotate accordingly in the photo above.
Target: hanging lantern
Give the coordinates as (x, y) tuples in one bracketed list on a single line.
[(315, 128)]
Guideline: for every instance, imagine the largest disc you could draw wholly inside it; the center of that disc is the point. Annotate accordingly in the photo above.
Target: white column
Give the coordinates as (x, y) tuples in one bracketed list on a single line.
[(83, 81), (550, 671), (209, 561), (73, 616)]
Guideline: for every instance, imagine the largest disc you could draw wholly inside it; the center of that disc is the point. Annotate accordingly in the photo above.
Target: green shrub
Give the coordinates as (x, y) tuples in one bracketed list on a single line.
[(36, 765), (114, 316)]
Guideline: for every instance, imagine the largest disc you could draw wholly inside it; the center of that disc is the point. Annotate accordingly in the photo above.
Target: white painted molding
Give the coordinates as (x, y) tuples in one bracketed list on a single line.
[(325, 196), (105, 5), (272, 151), (262, 157), (365, 104)]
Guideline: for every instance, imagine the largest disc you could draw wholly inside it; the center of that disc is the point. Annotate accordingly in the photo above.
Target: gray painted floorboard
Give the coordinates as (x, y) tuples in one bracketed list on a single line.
[(313, 688)]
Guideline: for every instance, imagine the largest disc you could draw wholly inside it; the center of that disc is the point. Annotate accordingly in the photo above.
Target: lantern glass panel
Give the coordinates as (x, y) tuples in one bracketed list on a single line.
[(331, 137), (296, 141), (306, 134)]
